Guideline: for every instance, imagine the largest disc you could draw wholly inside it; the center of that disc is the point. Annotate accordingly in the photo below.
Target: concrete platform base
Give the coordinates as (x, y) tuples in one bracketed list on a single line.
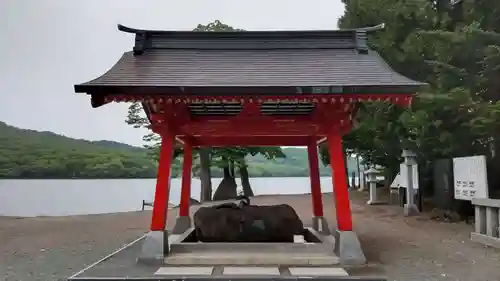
[(348, 248), (121, 265), (311, 242), (181, 225), (154, 248), (314, 249), (250, 259), (410, 210), (320, 225)]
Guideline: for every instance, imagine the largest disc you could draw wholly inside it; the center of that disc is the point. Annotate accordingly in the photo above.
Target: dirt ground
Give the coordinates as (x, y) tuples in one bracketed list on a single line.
[(47, 248)]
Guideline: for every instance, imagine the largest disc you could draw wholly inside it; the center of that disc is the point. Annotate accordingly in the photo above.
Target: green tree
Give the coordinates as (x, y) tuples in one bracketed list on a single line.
[(427, 41)]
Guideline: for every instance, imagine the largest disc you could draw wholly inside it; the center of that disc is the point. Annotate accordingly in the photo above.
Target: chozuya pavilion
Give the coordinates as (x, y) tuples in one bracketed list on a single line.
[(251, 88)]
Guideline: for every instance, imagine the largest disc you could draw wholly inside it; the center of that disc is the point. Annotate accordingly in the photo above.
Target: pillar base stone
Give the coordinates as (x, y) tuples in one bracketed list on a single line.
[(154, 248), (181, 225), (320, 225), (348, 248), (411, 210), (375, 202)]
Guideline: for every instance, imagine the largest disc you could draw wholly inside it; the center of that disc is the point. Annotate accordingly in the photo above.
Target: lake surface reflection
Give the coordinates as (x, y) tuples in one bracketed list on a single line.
[(28, 198)]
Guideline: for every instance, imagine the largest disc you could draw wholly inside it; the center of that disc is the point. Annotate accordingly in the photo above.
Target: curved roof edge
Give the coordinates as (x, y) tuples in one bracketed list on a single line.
[(341, 38), (368, 29)]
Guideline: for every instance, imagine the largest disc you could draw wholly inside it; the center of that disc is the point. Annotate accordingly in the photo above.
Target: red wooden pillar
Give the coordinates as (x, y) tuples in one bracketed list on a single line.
[(160, 206), (186, 179), (339, 179), (317, 200)]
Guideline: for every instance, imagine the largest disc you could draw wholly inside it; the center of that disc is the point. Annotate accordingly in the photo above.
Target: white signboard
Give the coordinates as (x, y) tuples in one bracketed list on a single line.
[(401, 179), (470, 177)]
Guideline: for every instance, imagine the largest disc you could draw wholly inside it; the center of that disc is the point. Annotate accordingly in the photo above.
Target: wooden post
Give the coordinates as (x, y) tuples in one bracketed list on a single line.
[(317, 200), (186, 179), (160, 205), (339, 179)]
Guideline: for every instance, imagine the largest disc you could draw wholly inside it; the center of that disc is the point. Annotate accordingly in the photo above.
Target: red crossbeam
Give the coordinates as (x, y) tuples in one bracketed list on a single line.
[(225, 141), (252, 129)]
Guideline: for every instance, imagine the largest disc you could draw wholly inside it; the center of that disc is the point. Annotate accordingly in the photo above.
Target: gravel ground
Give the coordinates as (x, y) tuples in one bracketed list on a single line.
[(47, 248)]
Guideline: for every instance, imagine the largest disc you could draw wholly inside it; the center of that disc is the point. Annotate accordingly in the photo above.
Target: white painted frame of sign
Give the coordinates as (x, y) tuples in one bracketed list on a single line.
[(470, 169)]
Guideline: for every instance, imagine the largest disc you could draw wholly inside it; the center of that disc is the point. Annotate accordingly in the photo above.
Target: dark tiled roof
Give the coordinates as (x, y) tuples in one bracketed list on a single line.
[(247, 68), (251, 60)]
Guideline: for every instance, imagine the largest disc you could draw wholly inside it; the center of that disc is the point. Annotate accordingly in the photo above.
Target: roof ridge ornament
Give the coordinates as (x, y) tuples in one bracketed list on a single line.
[(127, 29), (141, 43), (141, 38), (361, 37)]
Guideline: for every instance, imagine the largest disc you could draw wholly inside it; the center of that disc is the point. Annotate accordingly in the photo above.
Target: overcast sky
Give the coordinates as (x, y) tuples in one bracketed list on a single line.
[(48, 46)]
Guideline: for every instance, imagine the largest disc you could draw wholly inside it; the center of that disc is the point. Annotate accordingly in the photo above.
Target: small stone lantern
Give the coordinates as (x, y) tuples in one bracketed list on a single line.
[(371, 176)]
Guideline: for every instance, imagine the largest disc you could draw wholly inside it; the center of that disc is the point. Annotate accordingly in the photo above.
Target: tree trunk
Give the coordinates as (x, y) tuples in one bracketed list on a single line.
[(205, 176), (389, 176), (245, 181), (227, 171), (227, 187), (231, 169)]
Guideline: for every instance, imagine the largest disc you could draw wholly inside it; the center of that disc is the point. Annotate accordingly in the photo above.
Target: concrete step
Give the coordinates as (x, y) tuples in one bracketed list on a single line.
[(285, 248), (254, 258)]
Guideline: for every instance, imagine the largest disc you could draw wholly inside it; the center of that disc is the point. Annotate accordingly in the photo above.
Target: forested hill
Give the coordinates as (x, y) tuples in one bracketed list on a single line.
[(34, 154), (295, 164)]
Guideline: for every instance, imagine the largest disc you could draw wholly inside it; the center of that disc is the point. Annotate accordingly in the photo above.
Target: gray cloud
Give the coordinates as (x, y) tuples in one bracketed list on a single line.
[(47, 46)]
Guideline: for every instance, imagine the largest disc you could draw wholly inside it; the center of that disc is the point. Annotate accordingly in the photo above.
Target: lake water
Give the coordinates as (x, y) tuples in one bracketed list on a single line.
[(29, 198)]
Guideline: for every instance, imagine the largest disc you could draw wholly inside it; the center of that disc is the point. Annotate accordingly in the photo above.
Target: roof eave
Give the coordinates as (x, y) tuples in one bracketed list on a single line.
[(245, 90), (81, 88)]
